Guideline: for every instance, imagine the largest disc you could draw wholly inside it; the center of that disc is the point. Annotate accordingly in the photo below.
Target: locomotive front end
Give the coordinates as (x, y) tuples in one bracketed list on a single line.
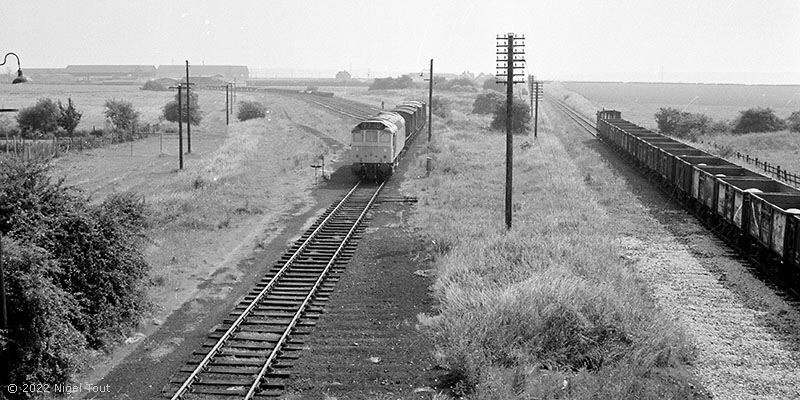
[(372, 149)]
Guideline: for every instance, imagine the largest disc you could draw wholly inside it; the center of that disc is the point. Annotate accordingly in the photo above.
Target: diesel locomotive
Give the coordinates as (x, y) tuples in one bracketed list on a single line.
[(377, 143), (758, 212)]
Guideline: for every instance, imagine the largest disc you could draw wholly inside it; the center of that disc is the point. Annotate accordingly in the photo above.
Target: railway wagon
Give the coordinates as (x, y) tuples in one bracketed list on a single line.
[(377, 142), (761, 213)]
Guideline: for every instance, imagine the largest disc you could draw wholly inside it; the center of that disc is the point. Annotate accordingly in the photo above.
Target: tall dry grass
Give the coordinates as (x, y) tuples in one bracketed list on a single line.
[(778, 148), (549, 309)]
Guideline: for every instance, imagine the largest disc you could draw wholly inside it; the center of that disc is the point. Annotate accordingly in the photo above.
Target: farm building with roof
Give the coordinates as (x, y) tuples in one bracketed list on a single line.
[(226, 72), (111, 72)]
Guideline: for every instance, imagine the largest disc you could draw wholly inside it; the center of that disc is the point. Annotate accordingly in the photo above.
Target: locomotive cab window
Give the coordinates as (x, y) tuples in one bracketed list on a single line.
[(358, 136), (372, 136), (386, 137)]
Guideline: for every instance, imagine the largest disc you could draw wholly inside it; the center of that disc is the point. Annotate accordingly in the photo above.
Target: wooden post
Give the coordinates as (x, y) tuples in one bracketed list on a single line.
[(509, 117)]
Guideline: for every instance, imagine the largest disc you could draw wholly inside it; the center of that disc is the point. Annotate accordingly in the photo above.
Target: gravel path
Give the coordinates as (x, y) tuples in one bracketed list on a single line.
[(746, 333)]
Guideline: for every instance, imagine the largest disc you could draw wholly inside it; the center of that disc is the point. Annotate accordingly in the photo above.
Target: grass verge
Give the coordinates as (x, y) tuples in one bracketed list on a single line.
[(549, 309)]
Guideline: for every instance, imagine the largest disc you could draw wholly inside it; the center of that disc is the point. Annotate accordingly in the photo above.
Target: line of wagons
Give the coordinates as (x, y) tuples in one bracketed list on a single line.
[(378, 142), (760, 213)]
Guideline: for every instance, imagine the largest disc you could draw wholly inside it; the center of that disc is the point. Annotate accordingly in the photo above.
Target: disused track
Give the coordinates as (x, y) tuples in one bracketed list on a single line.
[(344, 107), (581, 120), (244, 356)]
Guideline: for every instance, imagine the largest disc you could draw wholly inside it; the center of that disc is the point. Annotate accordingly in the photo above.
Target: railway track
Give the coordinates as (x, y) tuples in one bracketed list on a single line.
[(581, 120), (246, 355), (344, 107)]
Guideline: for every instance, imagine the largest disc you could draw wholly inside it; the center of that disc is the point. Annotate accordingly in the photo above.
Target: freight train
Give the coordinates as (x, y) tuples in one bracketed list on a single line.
[(378, 142), (761, 214)]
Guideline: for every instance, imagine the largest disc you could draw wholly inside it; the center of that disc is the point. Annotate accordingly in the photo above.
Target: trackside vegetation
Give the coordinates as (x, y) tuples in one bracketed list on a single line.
[(548, 310), (75, 273)]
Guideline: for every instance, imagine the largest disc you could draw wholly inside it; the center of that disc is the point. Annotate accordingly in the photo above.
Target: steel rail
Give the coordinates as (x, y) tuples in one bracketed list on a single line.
[(584, 122), (274, 353), (337, 110), (235, 325)]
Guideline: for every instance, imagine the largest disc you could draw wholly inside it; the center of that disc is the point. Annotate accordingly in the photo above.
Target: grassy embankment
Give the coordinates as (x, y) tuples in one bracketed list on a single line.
[(548, 310)]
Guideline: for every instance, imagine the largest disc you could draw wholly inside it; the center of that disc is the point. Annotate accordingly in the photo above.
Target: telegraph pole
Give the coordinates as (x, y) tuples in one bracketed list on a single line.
[(530, 90), (537, 97), (188, 113), (510, 56), (180, 125), (227, 106), (430, 99)]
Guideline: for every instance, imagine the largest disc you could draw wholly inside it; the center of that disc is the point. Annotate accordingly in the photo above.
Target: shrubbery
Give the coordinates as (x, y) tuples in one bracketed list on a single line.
[(491, 84), (457, 85), (69, 117), (684, 124), (74, 273), (440, 106), (758, 120), (793, 122), (121, 115), (41, 118), (487, 103), (251, 110), (153, 85), (171, 109), (520, 116), (46, 116), (402, 82)]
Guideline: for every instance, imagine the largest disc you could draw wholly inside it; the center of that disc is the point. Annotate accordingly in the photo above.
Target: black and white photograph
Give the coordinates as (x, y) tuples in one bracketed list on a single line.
[(417, 200)]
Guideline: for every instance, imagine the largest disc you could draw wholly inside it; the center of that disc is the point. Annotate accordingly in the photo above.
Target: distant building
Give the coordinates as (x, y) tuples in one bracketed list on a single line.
[(48, 75), (223, 72), (343, 75), (111, 72)]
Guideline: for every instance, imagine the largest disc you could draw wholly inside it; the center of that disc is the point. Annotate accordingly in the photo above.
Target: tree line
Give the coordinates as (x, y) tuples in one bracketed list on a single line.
[(688, 125)]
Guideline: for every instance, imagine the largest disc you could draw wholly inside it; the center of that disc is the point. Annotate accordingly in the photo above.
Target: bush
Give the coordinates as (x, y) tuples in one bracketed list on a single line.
[(251, 110), (8, 127), (40, 118), (793, 121), (491, 84), (69, 117), (440, 106), (170, 112), (457, 85), (42, 344), (520, 116), (758, 120), (153, 85), (402, 82), (683, 124), (487, 103), (76, 272), (667, 120), (121, 115)]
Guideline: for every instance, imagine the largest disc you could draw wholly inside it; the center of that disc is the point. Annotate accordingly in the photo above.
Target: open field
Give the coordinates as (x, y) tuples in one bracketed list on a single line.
[(90, 100)]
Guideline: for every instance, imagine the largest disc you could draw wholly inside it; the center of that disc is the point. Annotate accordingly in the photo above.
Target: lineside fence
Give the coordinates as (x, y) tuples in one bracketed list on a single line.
[(46, 148), (774, 170)]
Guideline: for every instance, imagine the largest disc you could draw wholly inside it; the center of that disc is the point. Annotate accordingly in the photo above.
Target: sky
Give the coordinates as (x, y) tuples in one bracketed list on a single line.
[(737, 41)]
